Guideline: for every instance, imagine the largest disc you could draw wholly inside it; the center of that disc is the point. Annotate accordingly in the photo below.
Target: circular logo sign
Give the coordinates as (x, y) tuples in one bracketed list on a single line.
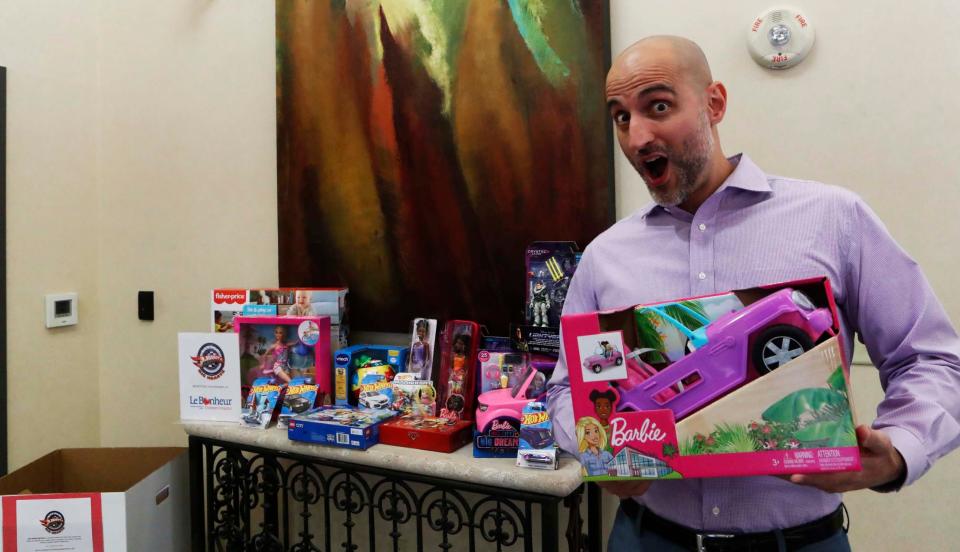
[(53, 522), (309, 332), (483, 356), (209, 361), (342, 359)]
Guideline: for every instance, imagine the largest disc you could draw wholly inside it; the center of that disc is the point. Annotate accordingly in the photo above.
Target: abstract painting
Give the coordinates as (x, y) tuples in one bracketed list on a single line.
[(423, 144)]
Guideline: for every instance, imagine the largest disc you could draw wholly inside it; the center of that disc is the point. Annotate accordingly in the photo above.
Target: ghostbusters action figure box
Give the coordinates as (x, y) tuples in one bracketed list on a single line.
[(749, 382)]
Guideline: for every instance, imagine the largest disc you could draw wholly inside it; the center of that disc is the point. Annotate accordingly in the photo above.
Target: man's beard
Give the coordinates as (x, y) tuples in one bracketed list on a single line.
[(688, 166)]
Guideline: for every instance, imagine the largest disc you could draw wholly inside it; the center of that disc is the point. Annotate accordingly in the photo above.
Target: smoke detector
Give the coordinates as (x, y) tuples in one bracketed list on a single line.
[(780, 38)]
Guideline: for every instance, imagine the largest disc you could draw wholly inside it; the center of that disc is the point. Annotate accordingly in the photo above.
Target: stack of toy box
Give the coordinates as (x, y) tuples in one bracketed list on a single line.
[(331, 302)]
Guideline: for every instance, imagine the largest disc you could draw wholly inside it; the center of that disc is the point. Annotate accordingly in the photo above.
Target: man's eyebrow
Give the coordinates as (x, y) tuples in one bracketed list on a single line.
[(656, 88), (653, 88)]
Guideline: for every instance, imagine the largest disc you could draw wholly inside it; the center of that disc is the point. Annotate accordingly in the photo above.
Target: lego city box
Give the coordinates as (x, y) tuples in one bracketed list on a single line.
[(67, 500), (349, 427), (749, 382)]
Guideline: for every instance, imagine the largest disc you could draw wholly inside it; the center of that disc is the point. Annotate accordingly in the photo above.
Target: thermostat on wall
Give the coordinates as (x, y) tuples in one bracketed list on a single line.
[(61, 309), (780, 38)]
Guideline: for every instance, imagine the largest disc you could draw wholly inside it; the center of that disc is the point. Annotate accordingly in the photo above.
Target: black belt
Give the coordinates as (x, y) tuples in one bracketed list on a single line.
[(794, 537)]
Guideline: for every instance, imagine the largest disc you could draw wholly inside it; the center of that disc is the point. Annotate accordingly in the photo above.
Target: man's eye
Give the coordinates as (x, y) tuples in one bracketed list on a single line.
[(621, 118), (660, 107)]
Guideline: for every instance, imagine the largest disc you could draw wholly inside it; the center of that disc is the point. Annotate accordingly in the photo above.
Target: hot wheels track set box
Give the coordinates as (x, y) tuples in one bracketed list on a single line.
[(749, 382), (357, 428)]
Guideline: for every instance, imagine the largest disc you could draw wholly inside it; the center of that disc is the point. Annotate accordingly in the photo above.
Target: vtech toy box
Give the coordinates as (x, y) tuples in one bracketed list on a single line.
[(339, 426), (750, 382), (359, 363)]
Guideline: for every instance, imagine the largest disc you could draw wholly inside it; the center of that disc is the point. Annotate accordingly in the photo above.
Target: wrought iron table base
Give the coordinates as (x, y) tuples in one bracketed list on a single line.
[(249, 498)]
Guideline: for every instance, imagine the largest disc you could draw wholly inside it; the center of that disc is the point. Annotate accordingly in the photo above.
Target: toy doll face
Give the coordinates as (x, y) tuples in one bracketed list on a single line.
[(421, 332), (278, 333), (591, 434), (603, 408)]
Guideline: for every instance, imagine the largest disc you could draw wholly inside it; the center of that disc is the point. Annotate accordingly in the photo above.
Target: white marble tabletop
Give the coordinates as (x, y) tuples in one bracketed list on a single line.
[(459, 465)]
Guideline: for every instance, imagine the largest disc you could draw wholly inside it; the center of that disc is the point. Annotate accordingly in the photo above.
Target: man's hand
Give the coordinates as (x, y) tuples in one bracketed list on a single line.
[(625, 489), (881, 463)]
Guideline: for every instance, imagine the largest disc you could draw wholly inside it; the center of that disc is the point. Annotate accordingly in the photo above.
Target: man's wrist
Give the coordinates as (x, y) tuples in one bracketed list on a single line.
[(897, 482)]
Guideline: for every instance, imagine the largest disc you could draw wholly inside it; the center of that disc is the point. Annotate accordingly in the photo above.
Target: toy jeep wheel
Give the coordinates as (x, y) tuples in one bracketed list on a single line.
[(619, 361), (778, 345), (597, 368)]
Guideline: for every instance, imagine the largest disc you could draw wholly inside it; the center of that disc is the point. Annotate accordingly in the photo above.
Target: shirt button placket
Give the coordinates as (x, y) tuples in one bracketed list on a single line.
[(701, 256)]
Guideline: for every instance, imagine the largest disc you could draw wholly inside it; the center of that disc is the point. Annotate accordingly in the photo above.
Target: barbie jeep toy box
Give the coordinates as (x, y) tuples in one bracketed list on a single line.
[(750, 382)]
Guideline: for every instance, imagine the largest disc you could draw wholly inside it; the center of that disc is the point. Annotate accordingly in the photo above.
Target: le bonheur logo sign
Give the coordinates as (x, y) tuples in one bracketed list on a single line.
[(209, 360), (53, 522)]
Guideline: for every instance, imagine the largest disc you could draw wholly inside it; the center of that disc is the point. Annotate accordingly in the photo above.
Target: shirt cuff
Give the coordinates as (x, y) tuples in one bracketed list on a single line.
[(913, 453)]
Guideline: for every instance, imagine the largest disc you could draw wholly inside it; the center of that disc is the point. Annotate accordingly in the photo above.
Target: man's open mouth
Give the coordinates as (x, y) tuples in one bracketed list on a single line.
[(655, 167)]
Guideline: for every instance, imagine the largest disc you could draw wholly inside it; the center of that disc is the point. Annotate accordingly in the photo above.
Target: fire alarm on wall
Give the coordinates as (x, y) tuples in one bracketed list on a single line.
[(780, 38), (61, 309)]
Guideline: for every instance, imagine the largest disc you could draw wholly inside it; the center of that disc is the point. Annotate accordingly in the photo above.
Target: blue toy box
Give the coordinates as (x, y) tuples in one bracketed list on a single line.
[(339, 426), (358, 362)]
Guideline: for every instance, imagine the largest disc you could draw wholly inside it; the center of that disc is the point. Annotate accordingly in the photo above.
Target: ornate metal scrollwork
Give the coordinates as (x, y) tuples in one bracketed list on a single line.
[(293, 504)]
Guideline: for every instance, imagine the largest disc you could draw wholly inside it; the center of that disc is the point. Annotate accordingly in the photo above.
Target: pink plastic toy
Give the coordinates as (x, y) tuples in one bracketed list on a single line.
[(509, 403)]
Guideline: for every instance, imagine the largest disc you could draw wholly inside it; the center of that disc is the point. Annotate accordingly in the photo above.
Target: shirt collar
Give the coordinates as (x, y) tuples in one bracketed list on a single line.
[(746, 175)]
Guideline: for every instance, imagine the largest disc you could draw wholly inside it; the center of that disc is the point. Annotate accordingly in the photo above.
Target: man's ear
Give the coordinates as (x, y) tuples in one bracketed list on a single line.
[(716, 102)]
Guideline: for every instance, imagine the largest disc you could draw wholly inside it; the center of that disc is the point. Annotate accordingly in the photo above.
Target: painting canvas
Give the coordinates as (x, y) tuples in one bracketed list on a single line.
[(422, 144)]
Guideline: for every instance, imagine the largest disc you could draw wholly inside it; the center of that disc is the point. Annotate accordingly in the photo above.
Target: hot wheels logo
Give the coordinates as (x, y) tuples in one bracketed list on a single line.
[(210, 361), (53, 522), (230, 296), (535, 418)]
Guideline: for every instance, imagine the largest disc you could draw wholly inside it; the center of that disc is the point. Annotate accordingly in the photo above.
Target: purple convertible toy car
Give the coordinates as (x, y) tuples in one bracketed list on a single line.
[(767, 334)]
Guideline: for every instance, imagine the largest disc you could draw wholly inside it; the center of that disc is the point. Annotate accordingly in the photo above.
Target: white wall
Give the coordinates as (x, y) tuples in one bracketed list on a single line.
[(141, 155), (50, 52), (189, 189), (873, 108)]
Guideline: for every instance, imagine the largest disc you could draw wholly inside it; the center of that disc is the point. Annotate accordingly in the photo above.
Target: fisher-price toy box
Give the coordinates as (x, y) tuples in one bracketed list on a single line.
[(749, 382)]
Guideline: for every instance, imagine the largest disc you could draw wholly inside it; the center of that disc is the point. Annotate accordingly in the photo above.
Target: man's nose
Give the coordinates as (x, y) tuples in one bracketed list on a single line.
[(641, 134)]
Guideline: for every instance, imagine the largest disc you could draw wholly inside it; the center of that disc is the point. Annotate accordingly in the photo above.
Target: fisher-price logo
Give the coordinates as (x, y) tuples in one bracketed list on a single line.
[(230, 296)]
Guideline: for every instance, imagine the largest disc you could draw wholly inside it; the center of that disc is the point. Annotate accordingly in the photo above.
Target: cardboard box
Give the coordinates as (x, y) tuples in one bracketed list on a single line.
[(340, 426), (140, 496), (227, 303), (750, 382)]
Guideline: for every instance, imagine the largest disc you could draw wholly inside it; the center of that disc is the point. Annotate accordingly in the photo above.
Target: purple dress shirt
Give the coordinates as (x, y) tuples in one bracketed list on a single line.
[(759, 229)]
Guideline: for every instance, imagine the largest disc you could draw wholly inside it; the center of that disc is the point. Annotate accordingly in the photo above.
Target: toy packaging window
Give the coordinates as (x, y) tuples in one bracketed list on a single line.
[(461, 339), (368, 369), (423, 338), (749, 382), (282, 348)]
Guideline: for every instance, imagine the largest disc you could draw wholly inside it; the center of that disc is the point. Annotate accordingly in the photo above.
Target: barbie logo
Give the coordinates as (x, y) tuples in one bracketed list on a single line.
[(237, 296), (499, 425), (648, 431)]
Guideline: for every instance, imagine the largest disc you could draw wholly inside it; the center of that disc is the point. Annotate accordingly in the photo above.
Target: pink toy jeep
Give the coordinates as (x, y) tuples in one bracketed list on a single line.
[(509, 403)]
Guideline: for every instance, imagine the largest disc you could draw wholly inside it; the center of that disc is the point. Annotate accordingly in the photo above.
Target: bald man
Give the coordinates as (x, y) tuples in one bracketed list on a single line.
[(719, 223)]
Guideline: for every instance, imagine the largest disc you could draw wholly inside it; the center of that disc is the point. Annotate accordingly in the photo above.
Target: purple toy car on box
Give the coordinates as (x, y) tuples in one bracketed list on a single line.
[(765, 334)]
